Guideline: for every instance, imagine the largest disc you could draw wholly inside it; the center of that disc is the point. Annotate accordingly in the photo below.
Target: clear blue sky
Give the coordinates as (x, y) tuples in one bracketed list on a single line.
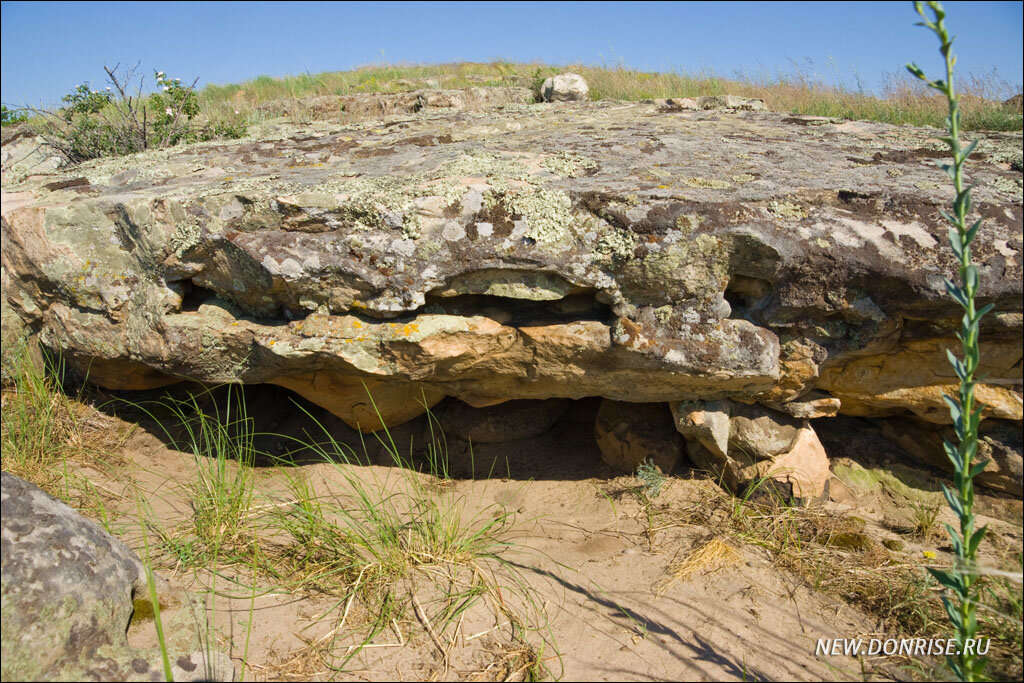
[(49, 47)]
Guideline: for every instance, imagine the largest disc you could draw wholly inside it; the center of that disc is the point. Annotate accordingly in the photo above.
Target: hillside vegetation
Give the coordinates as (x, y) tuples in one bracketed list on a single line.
[(903, 101)]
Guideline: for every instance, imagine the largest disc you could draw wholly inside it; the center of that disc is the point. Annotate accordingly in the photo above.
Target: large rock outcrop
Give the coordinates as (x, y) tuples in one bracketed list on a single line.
[(527, 252)]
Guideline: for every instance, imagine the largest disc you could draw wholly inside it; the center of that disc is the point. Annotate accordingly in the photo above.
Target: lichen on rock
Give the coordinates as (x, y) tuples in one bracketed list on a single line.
[(527, 252)]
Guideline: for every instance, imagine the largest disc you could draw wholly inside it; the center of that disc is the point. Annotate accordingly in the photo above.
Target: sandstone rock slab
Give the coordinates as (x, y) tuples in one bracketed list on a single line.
[(525, 252), (1000, 442)]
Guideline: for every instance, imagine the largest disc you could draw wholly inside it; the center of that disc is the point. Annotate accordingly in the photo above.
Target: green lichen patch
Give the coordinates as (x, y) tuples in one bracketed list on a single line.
[(548, 213), (617, 243), (482, 163), (186, 236), (568, 164), (1008, 152), (376, 202), (784, 209), (1008, 186), (706, 183), (904, 484), (688, 222)]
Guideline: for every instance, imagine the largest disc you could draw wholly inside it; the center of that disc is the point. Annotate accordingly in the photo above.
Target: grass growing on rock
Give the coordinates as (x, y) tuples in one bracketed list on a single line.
[(902, 101)]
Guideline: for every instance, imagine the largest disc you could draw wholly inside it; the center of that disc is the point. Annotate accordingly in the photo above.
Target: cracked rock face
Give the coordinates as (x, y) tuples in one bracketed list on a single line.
[(622, 250)]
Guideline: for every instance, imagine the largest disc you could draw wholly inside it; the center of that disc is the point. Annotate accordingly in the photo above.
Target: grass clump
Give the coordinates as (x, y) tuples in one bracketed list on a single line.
[(47, 435), (390, 551)]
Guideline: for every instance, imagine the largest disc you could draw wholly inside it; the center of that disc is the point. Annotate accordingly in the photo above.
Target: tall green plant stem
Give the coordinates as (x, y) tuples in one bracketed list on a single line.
[(964, 410)]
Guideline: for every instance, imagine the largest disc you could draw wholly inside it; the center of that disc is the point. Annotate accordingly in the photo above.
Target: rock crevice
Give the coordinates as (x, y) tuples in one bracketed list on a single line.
[(631, 251)]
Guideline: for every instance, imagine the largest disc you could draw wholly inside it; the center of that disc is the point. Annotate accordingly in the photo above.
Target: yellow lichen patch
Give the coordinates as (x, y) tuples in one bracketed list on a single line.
[(706, 183), (785, 209)]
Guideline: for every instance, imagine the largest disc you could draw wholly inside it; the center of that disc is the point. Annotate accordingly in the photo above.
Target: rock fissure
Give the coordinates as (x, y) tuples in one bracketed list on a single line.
[(642, 252)]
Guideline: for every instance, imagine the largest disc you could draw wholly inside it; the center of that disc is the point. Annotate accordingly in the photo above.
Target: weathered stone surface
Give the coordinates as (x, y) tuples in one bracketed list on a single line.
[(609, 249), (23, 153), (762, 444), (508, 421), (565, 88), (761, 433), (915, 375), (349, 107), (706, 422), (999, 442), (68, 590), (629, 433), (364, 404), (731, 102), (808, 407), (676, 104)]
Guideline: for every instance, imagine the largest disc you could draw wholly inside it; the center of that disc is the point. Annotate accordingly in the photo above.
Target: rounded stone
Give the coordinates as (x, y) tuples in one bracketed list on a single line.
[(630, 433)]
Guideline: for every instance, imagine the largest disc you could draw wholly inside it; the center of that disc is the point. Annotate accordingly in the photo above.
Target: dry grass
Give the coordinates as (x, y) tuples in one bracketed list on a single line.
[(706, 558), (50, 438), (903, 100), (834, 553)]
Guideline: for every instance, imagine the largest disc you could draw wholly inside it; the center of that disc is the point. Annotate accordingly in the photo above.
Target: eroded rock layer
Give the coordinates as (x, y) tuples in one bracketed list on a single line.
[(623, 250)]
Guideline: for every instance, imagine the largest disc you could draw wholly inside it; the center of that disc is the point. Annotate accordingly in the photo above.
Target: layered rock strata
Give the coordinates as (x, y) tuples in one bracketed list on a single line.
[(626, 250)]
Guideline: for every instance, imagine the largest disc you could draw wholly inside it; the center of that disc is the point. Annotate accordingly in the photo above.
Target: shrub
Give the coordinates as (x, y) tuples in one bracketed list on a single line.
[(122, 120), (9, 117)]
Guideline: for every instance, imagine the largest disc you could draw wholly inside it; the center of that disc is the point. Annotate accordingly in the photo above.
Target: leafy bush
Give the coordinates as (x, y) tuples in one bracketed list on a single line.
[(122, 120), (9, 117), (84, 100)]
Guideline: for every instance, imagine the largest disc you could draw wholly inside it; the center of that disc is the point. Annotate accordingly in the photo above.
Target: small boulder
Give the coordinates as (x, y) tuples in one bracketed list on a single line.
[(630, 433), (704, 421), (760, 433), (69, 590), (763, 446), (565, 88)]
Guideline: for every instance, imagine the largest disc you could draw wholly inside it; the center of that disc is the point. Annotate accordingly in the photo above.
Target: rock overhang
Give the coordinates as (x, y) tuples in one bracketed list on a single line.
[(527, 252)]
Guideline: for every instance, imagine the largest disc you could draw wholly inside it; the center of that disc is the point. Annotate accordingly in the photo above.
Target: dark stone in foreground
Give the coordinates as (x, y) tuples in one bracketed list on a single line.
[(68, 591)]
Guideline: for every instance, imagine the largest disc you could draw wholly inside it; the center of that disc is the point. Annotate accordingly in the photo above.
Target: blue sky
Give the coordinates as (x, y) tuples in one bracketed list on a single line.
[(49, 47)]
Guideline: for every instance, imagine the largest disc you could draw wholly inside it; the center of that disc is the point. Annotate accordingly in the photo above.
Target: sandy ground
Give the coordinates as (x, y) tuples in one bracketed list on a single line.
[(597, 560)]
